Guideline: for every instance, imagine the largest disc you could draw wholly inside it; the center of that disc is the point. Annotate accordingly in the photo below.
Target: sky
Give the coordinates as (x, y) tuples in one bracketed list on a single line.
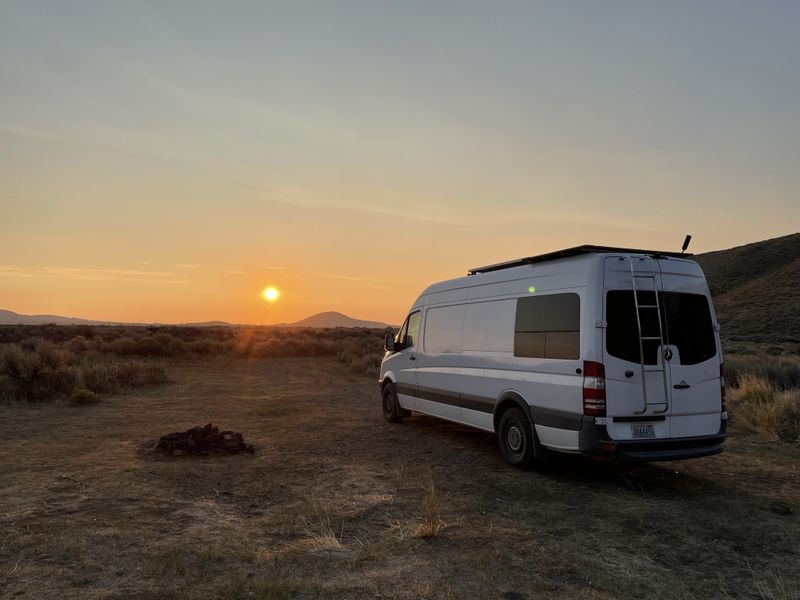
[(165, 161)]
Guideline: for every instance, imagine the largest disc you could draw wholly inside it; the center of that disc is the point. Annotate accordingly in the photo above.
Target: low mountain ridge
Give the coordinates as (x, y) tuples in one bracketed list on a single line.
[(336, 319), (756, 289), (8, 317), (321, 320)]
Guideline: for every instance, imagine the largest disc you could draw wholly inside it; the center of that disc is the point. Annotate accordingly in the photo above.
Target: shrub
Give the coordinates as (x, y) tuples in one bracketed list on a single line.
[(83, 396), (787, 424), (42, 370), (149, 346), (38, 373), (361, 355), (123, 346), (20, 368), (79, 345), (8, 389), (207, 347)]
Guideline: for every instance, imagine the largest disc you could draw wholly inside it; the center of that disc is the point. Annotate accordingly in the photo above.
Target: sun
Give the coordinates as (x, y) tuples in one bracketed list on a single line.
[(270, 294)]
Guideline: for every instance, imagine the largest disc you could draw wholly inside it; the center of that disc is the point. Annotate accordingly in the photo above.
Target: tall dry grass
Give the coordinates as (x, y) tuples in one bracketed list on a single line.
[(760, 406), (782, 371), (433, 504)]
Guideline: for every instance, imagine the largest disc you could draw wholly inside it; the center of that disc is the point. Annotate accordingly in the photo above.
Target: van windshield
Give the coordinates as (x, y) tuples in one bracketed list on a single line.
[(686, 320)]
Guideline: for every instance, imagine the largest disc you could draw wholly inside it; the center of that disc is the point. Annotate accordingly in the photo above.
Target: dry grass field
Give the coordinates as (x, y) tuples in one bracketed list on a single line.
[(337, 503)]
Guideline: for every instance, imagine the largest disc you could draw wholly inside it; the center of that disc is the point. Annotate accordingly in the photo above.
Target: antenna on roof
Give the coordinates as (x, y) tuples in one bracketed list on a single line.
[(686, 241)]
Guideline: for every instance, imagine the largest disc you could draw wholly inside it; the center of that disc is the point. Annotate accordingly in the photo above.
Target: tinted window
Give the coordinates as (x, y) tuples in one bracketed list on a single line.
[(686, 322), (548, 326)]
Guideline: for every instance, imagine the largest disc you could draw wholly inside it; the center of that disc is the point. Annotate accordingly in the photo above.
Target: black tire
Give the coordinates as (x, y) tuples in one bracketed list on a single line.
[(517, 439), (391, 407)]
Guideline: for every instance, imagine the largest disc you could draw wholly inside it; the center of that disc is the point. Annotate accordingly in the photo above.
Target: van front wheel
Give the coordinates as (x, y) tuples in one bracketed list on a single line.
[(516, 438), (391, 407)]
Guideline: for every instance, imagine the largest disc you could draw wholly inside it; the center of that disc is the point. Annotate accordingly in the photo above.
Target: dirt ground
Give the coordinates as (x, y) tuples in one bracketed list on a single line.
[(331, 503)]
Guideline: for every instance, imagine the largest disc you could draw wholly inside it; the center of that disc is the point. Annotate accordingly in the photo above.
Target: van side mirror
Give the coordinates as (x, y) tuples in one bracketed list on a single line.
[(388, 343)]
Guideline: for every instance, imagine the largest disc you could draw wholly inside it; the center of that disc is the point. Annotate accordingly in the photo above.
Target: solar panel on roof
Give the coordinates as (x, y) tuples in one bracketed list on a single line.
[(568, 252)]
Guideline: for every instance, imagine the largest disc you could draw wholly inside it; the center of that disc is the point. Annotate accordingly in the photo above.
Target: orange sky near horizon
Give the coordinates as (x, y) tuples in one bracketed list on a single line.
[(166, 163)]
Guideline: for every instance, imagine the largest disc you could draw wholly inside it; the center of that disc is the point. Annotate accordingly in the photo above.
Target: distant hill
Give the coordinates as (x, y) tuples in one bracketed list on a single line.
[(756, 289), (325, 319), (336, 319), (8, 317)]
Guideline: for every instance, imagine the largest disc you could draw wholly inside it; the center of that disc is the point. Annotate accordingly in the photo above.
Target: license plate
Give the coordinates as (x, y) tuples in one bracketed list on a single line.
[(643, 430)]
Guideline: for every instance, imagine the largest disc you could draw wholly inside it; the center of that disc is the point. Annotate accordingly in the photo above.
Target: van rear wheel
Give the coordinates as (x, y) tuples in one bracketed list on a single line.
[(516, 438), (391, 407)]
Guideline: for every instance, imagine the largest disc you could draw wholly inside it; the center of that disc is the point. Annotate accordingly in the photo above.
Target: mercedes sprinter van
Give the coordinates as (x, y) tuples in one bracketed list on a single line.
[(592, 349)]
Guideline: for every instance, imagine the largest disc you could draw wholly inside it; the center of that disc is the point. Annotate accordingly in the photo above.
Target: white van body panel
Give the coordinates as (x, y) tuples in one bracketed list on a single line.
[(465, 363), (558, 439)]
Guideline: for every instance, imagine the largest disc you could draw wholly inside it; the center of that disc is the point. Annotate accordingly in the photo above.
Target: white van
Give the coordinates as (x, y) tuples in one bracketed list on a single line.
[(592, 349)]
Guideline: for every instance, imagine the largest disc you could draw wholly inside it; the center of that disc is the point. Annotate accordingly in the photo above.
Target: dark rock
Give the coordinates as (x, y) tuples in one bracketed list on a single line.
[(203, 441)]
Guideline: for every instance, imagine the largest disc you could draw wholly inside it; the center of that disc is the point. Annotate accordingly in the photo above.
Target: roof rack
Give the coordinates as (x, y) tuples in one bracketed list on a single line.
[(566, 253)]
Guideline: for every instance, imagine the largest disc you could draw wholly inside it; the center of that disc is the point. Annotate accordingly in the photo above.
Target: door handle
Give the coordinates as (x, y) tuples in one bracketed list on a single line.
[(681, 386), (412, 357)]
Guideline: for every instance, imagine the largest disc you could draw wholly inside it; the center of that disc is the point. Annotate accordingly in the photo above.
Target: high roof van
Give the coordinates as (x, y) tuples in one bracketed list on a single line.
[(592, 349)]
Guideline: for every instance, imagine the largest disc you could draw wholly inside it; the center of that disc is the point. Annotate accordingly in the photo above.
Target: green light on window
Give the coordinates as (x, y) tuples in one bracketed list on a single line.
[(531, 289)]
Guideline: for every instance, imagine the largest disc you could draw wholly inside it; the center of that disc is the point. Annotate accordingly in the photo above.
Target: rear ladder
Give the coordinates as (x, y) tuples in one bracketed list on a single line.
[(642, 338)]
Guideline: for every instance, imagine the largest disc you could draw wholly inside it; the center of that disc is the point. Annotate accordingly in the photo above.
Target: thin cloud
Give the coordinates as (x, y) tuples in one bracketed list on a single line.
[(189, 266), (86, 273), (235, 272), (336, 276), (271, 268)]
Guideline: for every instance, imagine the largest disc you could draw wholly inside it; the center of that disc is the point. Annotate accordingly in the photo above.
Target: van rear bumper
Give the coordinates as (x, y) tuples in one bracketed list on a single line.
[(594, 439)]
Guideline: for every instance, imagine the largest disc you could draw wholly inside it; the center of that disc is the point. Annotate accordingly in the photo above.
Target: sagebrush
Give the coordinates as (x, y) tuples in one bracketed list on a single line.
[(39, 362)]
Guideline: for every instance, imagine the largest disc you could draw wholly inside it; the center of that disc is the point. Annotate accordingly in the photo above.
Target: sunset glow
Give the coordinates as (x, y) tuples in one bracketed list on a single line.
[(161, 162)]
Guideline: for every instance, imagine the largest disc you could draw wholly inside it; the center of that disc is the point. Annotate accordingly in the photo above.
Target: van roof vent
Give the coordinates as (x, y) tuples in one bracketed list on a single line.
[(566, 253)]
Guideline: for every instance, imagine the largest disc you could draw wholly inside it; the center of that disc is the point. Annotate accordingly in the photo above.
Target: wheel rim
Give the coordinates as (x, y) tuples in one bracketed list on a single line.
[(515, 439)]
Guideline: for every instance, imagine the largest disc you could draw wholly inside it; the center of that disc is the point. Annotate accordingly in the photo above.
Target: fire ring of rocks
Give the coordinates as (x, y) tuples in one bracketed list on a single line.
[(203, 441)]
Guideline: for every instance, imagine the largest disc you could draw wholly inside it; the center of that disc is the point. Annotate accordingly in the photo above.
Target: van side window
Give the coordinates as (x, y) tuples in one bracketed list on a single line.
[(548, 326), (413, 329), (489, 327), (443, 329), (407, 336), (401, 334)]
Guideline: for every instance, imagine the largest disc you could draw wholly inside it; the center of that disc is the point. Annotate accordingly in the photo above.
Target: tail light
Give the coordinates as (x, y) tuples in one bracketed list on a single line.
[(594, 389), (723, 406)]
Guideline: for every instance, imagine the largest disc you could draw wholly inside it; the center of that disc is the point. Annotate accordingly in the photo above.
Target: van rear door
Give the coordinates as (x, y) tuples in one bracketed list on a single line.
[(695, 399), (673, 390), (637, 392)]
